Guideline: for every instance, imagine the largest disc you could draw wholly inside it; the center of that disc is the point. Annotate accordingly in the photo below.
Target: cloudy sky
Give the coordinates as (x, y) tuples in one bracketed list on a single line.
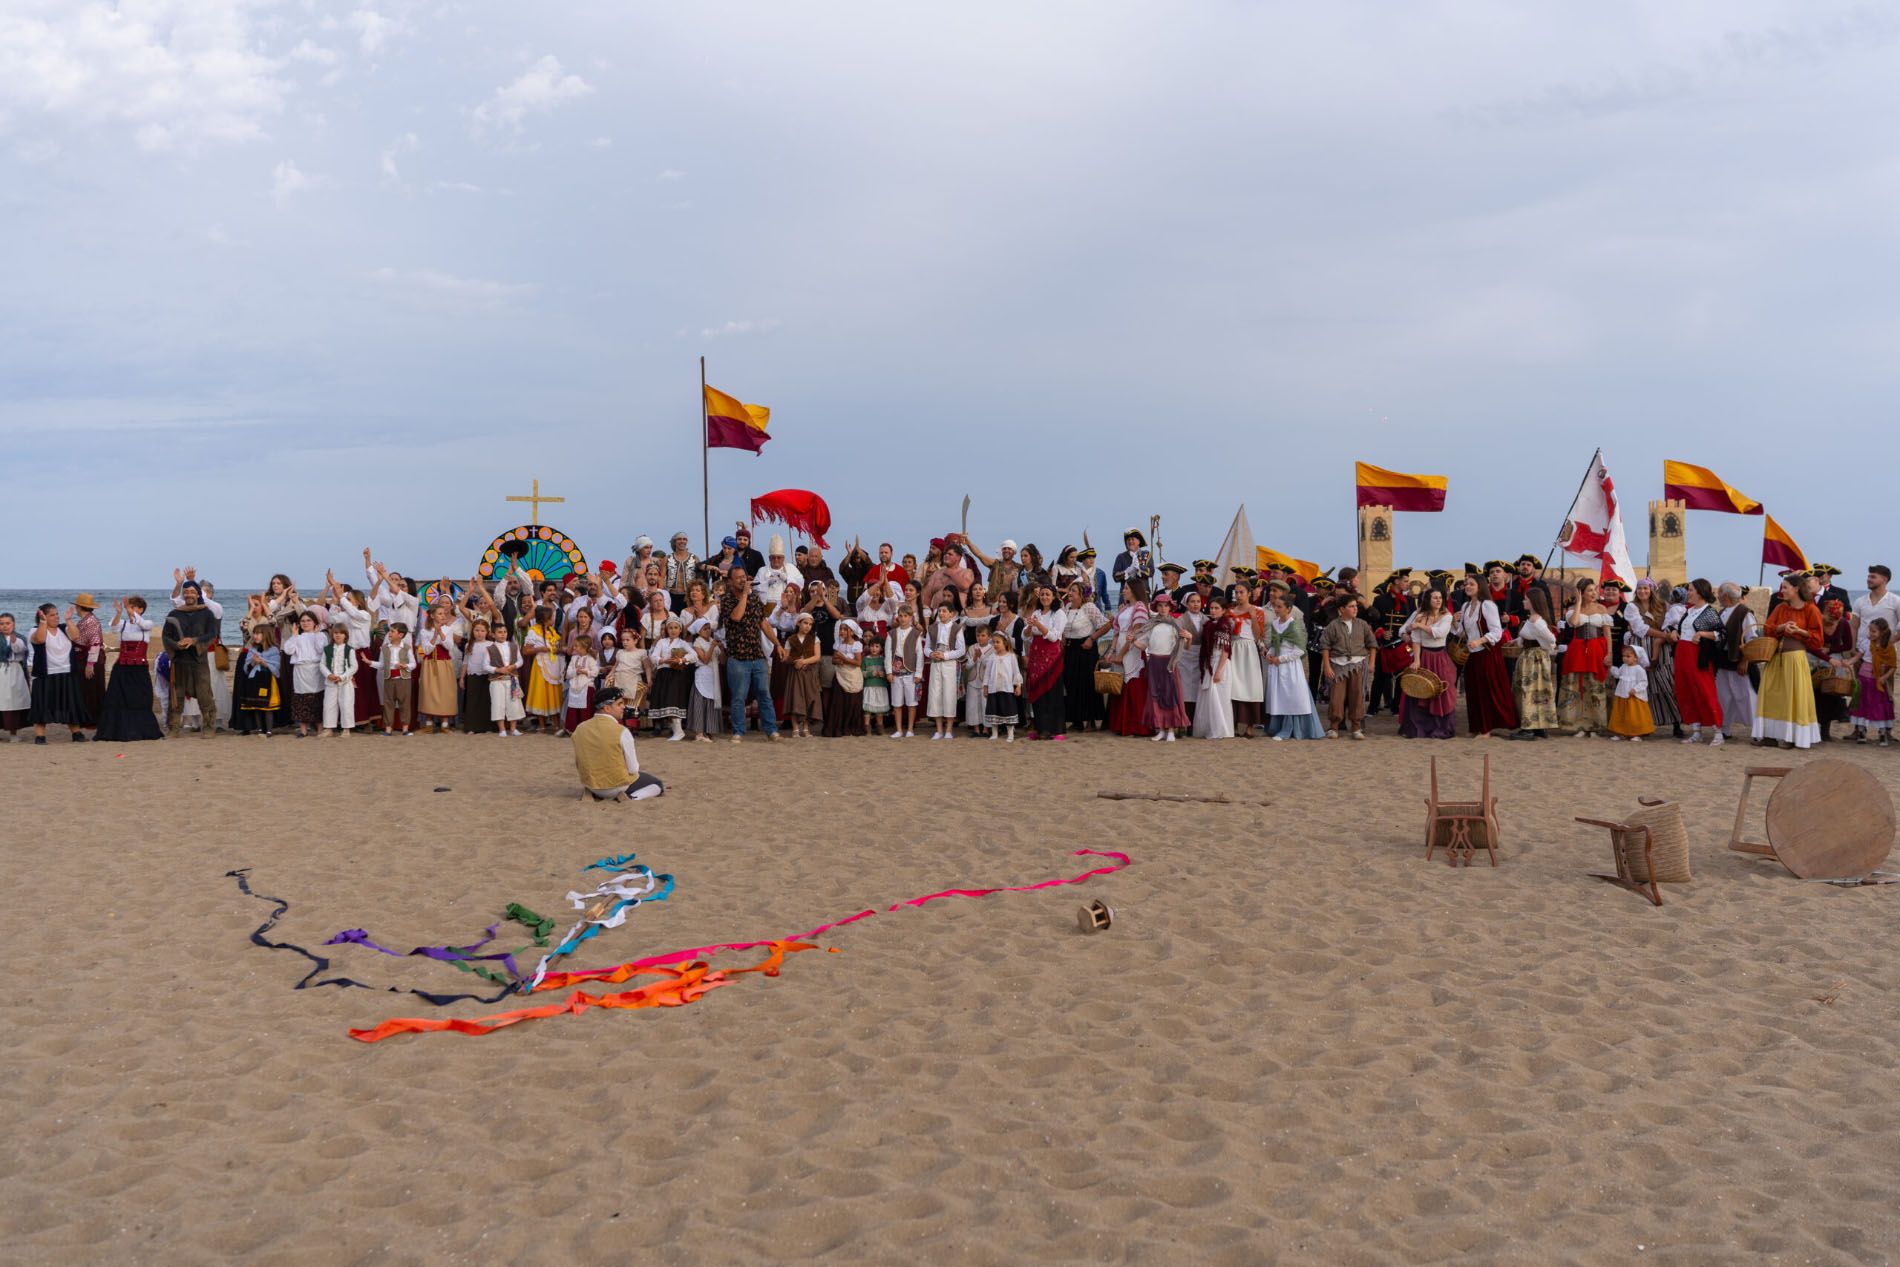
[(287, 279)]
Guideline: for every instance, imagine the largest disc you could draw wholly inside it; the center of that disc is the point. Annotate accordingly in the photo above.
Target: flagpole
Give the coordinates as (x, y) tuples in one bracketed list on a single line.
[(705, 440)]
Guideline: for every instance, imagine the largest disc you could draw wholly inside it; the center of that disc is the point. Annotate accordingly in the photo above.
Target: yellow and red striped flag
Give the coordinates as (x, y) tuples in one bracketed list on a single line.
[(1778, 548), (1380, 487), (730, 424), (1265, 558), (1699, 488)]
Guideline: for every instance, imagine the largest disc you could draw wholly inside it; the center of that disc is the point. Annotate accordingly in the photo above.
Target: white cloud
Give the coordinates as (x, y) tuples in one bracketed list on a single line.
[(538, 90), (456, 187), (436, 291), (179, 74), (735, 329), (668, 176), (287, 179), (407, 143), (601, 143), (315, 54), (372, 30)]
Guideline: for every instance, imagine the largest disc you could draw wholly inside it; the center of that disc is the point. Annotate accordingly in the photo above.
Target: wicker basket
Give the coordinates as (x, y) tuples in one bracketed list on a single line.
[(1421, 684), (1513, 649), (1759, 650), (1669, 841), (1458, 651), (1828, 682), (1108, 681)]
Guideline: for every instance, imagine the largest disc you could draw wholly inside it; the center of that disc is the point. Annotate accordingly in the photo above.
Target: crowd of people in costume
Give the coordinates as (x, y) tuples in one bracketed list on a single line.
[(1002, 646)]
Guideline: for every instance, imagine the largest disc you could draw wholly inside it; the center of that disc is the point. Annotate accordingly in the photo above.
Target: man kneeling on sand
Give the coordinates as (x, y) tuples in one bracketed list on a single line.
[(603, 753)]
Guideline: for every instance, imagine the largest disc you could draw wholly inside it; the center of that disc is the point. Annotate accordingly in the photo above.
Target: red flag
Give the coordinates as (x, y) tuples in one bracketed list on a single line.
[(798, 509)]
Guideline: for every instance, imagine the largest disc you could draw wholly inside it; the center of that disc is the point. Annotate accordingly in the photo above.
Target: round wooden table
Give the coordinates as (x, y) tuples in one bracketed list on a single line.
[(1830, 820)]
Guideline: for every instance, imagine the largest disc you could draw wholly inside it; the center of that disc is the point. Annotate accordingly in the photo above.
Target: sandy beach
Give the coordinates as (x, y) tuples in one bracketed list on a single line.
[(1299, 1043)]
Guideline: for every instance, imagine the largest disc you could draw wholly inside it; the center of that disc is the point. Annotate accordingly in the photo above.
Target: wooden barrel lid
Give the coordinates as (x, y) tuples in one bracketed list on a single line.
[(1830, 820)]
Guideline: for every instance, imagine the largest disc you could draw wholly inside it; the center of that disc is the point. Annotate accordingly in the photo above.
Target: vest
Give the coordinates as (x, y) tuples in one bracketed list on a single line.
[(597, 754)]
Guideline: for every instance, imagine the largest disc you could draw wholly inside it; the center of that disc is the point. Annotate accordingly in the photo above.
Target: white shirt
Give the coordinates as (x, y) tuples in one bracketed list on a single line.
[(357, 618), (392, 607), (132, 628), (305, 648), (397, 656), (476, 661), (944, 639), (1867, 611), (771, 581), (661, 653), (59, 653), (1001, 673), (1430, 634), (1082, 622), (1054, 624), (1160, 639), (1478, 622), (627, 753), (1535, 631), (1631, 680)]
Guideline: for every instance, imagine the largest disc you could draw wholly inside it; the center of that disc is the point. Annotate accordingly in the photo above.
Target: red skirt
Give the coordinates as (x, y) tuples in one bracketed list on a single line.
[(1588, 655), (1696, 699), (1128, 712), (1045, 668), (1490, 703)]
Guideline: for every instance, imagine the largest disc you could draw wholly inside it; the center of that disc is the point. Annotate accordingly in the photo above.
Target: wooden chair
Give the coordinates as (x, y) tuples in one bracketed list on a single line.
[(1461, 828), (1622, 844)]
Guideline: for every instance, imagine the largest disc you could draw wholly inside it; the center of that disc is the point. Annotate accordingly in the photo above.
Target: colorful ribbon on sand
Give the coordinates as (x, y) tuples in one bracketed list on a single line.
[(682, 985)]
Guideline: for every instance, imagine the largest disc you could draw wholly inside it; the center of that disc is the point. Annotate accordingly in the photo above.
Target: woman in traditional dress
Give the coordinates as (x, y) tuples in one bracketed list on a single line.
[(1839, 657), (1660, 611), (1533, 681), (1489, 704), (1083, 622), (1163, 645), (127, 715), (439, 660), (1214, 719), (1694, 635), (1428, 630), (674, 662), (1128, 712), (844, 698), (1248, 689), (16, 692), (1067, 570), (1873, 703), (1784, 712), (1736, 680), (783, 619), (1292, 712), (1583, 697), (1043, 627), (1191, 619), (255, 687), (546, 673)]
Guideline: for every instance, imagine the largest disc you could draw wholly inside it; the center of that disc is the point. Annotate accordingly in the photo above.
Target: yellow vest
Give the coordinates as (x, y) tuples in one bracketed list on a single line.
[(598, 757)]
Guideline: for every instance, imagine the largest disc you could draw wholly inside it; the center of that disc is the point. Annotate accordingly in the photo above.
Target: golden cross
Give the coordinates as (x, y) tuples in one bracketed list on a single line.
[(535, 498)]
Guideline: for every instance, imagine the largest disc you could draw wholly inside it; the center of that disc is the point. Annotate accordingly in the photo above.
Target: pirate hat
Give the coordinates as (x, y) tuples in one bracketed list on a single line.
[(1136, 534), (1531, 559), (1323, 582), (1824, 569), (1175, 568), (1499, 564), (1205, 565), (1087, 552)]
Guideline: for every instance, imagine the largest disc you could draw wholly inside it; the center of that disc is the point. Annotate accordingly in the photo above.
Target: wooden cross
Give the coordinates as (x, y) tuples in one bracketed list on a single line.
[(535, 499)]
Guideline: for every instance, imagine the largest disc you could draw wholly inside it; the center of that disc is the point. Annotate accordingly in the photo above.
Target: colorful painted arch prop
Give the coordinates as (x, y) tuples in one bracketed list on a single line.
[(1380, 487), (551, 554), (1699, 488)]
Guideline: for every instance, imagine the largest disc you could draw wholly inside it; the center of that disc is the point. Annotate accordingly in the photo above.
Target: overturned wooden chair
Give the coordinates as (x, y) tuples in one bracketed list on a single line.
[(1461, 828), (1650, 845)]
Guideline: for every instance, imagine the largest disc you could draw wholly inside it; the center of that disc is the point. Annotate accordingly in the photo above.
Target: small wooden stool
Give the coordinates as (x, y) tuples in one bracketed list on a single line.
[(1461, 828), (1826, 820)]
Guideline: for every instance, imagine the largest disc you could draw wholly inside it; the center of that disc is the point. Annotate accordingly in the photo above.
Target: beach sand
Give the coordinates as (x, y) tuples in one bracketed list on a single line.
[(1300, 1042)]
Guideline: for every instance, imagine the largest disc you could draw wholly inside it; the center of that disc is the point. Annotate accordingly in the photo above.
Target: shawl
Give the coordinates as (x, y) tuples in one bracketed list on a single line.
[(1180, 636), (13, 647), (1294, 635), (1217, 636)]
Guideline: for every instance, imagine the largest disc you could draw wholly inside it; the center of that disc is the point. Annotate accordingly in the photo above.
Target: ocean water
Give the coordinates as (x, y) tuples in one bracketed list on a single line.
[(22, 603)]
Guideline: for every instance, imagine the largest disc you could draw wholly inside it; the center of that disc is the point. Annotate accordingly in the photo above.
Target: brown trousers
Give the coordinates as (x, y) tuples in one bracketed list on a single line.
[(399, 702), (191, 678), (1348, 703)]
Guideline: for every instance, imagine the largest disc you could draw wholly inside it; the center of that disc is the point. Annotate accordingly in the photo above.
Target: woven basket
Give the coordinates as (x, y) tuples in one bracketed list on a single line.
[(1759, 650), (1421, 684), (1108, 681), (1669, 839), (1827, 682), (1458, 652), (1513, 649)]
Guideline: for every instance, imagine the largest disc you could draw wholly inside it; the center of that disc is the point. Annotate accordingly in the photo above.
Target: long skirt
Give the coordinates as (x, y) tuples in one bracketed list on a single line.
[(1873, 707), (435, 689), (1082, 704), (805, 698), (1697, 703), (1214, 715), (1043, 689), (1489, 704), (844, 711), (704, 715), (1435, 718), (1735, 691), (58, 701), (1631, 718), (1664, 699), (477, 708), (92, 690), (1536, 689), (127, 714), (1165, 708), (1583, 702), (672, 693), (541, 698), (1785, 710), (1249, 687), (1128, 712), (255, 700), (306, 707), (777, 679), (369, 700), (1302, 726), (1292, 713)]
